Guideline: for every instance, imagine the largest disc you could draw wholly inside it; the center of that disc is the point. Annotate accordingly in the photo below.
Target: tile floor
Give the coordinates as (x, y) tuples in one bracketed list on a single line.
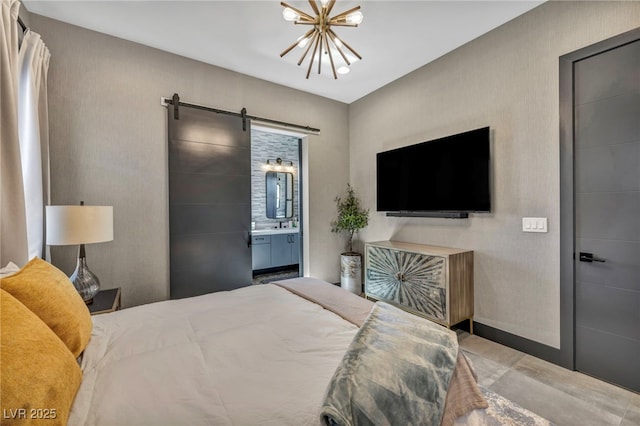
[(562, 396)]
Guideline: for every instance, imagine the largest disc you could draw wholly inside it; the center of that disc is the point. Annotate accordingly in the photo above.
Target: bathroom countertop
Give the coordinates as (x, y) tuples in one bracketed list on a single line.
[(271, 231)]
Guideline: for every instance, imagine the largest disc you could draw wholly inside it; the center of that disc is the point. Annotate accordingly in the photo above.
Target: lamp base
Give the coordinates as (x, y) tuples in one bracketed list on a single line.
[(85, 281)]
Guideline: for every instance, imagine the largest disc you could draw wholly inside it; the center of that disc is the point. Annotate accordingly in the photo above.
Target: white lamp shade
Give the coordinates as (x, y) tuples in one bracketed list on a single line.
[(74, 225)]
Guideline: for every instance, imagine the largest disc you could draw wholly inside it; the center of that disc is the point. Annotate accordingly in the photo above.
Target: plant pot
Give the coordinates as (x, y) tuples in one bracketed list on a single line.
[(351, 272)]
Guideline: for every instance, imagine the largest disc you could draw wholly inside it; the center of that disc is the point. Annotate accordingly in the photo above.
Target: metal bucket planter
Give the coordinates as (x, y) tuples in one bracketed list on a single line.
[(351, 272)]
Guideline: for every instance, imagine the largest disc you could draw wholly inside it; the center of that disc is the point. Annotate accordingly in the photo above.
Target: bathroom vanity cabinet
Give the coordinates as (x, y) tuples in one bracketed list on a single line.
[(280, 247)]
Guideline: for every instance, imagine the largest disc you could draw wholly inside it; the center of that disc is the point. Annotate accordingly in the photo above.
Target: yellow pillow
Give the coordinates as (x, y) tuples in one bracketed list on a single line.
[(40, 376), (49, 294)]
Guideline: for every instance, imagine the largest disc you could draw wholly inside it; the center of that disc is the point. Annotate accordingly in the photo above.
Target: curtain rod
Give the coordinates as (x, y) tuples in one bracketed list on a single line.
[(243, 114)]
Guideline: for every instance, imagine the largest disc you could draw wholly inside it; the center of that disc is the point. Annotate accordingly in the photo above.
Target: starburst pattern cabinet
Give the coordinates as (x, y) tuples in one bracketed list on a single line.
[(434, 282)]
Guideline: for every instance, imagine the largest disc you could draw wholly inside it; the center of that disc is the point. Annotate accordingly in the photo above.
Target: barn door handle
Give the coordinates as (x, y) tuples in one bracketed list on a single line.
[(589, 257)]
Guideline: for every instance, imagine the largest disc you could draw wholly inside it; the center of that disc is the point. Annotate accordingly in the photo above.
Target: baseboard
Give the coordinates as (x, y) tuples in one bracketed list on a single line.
[(521, 344)]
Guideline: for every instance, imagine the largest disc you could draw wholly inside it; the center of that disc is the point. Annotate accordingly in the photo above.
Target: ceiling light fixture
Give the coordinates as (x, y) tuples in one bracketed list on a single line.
[(321, 37)]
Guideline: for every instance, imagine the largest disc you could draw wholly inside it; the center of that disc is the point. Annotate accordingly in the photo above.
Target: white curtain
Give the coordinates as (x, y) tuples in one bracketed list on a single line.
[(33, 127), (13, 234)]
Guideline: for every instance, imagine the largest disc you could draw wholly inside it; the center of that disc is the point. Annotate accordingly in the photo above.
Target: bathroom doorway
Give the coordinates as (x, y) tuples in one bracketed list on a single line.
[(277, 207)]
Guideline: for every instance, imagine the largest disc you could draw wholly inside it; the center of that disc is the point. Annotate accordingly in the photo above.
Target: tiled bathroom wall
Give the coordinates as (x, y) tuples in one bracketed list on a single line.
[(269, 146)]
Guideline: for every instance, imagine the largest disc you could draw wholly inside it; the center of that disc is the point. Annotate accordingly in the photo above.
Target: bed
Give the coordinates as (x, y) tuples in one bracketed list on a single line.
[(260, 355)]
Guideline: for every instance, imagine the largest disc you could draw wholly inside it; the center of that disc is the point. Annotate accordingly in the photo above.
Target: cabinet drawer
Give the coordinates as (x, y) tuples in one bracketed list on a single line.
[(260, 239), (413, 280)]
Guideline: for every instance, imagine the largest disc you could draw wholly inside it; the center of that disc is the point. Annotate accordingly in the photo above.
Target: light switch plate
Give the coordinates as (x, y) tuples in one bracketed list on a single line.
[(534, 224)]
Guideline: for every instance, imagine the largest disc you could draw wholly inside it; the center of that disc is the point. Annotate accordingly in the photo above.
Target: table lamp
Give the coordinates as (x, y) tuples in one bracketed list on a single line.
[(73, 225)]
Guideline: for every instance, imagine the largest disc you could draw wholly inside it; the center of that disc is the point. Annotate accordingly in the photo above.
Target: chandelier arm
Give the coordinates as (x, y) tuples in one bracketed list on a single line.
[(313, 39), (338, 49), (333, 68), (330, 6), (344, 24), (313, 56), (345, 44), (344, 14), (314, 6), (298, 11), (320, 39), (305, 20), (308, 33), (288, 49)]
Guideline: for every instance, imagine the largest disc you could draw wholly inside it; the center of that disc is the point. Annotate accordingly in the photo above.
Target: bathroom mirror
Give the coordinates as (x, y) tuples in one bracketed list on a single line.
[(279, 195)]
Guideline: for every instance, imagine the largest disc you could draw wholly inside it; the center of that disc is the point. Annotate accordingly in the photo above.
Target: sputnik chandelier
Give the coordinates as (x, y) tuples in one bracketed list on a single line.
[(321, 37)]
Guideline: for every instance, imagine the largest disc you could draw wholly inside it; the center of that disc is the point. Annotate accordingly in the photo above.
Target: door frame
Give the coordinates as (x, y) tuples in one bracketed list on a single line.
[(303, 186), (567, 190)]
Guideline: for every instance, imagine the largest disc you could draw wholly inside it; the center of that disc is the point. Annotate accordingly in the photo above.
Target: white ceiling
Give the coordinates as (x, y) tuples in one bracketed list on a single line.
[(395, 38)]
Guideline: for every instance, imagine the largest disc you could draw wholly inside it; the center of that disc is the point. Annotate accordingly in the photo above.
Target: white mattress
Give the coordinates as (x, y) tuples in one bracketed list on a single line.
[(259, 355)]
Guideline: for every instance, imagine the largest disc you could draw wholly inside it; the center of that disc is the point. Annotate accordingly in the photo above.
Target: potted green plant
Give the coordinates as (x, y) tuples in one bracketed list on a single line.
[(351, 219)]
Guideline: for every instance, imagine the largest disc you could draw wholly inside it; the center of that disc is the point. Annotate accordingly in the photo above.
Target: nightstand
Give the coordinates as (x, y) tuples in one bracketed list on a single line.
[(105, 301)]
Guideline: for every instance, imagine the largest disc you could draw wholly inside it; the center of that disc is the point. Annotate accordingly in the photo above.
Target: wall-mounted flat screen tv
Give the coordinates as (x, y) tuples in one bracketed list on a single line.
[(450, 174)]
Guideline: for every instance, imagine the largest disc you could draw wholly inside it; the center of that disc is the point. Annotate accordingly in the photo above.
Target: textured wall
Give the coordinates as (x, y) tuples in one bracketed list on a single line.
[(108, 137), (108, 142), (264, 146), (506, 79)]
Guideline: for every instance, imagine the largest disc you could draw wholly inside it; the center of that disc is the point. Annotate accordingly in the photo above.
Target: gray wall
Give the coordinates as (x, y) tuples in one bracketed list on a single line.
[(108, 136), (269, 146), (506, 79)]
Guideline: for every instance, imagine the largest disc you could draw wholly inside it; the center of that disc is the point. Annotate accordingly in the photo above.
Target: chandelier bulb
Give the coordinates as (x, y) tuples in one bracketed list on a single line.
[(355, 18), (303, 41), (343, 70), (290, 15)]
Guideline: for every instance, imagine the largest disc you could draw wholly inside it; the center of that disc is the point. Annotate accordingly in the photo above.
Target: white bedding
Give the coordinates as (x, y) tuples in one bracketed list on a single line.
[(212, 359)]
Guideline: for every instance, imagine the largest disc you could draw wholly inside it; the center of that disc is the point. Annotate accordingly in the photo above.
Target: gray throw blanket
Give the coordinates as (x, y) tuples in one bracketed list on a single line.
[(395, 372)]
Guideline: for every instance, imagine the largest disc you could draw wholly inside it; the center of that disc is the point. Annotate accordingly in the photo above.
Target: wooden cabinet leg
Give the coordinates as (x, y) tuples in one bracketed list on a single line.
[(470, 325)]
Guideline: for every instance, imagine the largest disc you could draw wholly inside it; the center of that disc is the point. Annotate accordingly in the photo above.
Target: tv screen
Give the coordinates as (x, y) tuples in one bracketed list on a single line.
[(449, 174)]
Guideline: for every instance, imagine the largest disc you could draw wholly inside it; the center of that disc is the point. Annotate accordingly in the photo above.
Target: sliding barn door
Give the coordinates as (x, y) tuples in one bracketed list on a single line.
[(209, 202)]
